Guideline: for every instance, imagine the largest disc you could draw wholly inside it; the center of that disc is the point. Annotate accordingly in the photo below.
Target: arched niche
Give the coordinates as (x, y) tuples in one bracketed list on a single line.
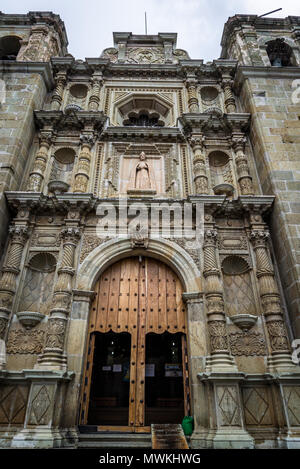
[(36, 294), (62, 169), (238, 289), (221, 173), (146, 104)]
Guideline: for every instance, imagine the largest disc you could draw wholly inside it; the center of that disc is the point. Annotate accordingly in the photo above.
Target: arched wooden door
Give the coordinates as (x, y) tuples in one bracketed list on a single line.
[(137, 299)]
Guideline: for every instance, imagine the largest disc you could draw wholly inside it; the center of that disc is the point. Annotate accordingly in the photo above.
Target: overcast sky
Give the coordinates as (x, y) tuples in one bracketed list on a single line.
[(199, 23)]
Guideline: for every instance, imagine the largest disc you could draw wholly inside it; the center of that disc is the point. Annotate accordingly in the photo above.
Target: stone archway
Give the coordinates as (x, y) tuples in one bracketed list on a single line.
[(109, 253)]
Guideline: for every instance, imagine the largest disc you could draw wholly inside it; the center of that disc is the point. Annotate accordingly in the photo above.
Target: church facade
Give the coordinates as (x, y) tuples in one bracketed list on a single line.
[(150, 254)]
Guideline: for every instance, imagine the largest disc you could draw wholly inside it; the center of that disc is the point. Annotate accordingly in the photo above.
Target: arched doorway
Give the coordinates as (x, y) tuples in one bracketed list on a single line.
[(136, 365)]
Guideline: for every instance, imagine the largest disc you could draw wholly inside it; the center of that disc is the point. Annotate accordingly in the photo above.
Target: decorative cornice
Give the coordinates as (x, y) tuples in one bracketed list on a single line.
[(60, 120), (42, 68), (162, 134), (207, 123)]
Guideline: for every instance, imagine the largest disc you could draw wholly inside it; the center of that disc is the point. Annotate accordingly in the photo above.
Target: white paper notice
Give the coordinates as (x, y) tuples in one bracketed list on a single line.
[(150, 369), (117, 368)]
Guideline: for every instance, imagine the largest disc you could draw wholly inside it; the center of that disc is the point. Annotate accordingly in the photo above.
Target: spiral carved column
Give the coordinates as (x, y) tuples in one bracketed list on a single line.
[(37, 174), (241, 161), (95, 94), (220, 357), (229, 98), (199, 166), (10, 271), (83, 167), (193, 101), (58, 92), (53, 355), (270, 298)]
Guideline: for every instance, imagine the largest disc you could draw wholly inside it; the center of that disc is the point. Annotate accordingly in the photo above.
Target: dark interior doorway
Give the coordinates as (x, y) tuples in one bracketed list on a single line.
[(109, 397), (164, 389)]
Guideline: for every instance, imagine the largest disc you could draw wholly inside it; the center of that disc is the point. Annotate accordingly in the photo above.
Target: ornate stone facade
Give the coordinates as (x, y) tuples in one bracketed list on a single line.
[(213, 142)]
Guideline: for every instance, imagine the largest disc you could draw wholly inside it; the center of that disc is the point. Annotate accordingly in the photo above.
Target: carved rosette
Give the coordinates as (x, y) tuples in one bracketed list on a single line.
[(199, 166), (193, 101), (57, 96), (269, 293), (95, 94), (229, 98), (83, 167), (40, 163), (242, 167)]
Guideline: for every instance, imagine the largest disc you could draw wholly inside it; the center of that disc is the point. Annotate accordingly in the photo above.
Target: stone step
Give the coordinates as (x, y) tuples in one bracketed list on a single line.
[(114, 440)]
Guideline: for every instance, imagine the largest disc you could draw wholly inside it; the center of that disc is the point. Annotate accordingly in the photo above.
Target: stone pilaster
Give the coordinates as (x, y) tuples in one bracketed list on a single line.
[(280, 358), (83, 167), (53, 356), (37, 174), (57, 97), (193, 101), (199, 166), (94, 99), (220, 358), (229, 98), (10, 272), (242, 167)]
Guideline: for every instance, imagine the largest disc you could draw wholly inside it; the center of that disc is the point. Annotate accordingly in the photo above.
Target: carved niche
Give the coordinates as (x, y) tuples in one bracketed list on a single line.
[(38, 284), (238, 291)]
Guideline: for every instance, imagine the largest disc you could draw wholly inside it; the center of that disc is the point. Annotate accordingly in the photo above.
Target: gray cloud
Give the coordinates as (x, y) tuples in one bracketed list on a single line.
[(199, 23)]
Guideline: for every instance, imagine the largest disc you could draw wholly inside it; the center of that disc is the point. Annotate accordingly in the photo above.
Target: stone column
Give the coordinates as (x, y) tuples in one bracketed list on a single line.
[(53, 356), (220, 358), (83, 166), (193, 102), (280, 358), (37, 174), (10, 271), (242, 167), (95, 94), (57, 97), (199, 166), (229, 98)]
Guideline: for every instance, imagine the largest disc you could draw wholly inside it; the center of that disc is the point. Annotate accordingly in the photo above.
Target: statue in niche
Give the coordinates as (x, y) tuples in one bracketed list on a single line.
[(142, 174)]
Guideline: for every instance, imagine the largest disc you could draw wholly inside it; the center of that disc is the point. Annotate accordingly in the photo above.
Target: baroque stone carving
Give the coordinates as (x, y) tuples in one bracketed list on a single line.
[(90, 242), (56, 334), (145, 55), (218, 336), (247, 343), (25, 341)]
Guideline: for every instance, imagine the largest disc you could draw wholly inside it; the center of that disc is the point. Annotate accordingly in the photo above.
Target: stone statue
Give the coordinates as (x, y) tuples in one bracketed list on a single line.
[(142, 176)]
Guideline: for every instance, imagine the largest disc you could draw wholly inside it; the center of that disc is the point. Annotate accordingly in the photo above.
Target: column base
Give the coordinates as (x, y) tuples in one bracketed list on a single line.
[(52, 361), (43, 438), (281, 363), (232, 439), (220, 363)]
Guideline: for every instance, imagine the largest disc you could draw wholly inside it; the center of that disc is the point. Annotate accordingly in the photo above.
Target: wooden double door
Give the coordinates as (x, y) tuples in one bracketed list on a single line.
[(136, 369)]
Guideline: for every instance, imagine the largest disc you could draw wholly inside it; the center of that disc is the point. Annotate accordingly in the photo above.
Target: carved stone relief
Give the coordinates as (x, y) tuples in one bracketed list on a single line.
[(247, 343), (41, 404), (89, 243), (228, 406), (25, 341)]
